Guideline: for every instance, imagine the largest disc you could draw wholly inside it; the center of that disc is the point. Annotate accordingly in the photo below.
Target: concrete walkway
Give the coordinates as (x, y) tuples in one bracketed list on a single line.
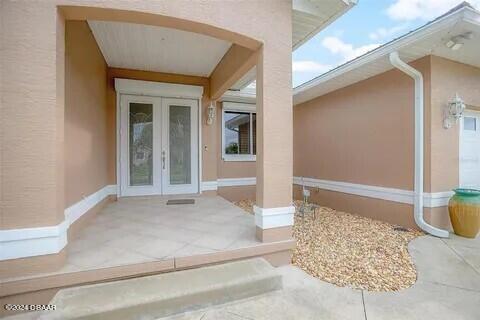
[(448, 287)]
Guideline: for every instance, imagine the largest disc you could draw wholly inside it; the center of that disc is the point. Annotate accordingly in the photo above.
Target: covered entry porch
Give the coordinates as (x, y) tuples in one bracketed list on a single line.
[(64, 165)]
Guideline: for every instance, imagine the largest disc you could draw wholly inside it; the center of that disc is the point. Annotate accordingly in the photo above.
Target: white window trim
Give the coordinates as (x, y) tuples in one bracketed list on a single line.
[(239, 107)]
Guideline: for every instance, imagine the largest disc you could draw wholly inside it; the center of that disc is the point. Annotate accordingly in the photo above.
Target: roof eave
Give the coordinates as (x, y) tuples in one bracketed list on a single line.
[(464, 13), (348, 5)]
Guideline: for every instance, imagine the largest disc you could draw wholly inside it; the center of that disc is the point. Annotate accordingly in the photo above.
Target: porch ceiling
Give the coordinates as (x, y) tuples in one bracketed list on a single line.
[(153, 48), (143, 47)]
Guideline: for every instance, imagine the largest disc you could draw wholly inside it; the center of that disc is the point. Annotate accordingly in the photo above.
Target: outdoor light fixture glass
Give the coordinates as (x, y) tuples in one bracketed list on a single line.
[(457, 46), (453, 112), (450, 43), (453, 45), (456, 42), (211, 113)]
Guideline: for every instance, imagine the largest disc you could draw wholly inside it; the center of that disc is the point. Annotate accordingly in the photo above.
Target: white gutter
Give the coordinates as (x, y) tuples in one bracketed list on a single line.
[(418, 184)]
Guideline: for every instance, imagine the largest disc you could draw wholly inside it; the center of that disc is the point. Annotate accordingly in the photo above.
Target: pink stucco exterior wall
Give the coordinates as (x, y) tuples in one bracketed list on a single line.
[(87, 129), (363, 134)]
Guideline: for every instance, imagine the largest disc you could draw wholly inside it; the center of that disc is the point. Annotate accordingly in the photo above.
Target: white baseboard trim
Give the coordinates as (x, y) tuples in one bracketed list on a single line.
[(228, 182), (234, 182), (209, 185), (431, 200), (436, 199), (75, 211), (267, 218), (31, 242)]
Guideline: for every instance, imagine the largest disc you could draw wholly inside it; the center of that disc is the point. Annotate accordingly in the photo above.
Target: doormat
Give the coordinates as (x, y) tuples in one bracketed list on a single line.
[(180, 201)]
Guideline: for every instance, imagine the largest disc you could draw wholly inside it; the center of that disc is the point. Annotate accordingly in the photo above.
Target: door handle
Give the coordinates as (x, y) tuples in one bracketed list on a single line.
[(163, 159)]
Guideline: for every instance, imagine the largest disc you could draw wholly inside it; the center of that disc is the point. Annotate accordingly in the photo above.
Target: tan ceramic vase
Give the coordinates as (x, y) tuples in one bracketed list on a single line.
[(464, 210)]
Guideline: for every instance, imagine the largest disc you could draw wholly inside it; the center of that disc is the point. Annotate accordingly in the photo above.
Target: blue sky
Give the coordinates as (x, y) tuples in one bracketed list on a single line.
[(366, 26)]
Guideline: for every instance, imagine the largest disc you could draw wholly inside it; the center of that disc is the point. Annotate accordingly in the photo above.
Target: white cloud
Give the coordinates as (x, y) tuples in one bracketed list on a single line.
[(309, 66), (346, 50), (382, 33), (423, 9)]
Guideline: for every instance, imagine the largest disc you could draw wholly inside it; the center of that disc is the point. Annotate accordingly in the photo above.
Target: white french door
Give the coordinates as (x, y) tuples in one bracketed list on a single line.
[(158, 145)]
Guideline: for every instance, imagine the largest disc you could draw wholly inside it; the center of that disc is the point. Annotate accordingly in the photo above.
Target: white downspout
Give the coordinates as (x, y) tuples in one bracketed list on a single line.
[(418, 184)]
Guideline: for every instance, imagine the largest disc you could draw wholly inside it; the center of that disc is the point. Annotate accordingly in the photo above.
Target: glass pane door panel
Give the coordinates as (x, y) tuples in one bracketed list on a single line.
[(180, 144), (141, 144)]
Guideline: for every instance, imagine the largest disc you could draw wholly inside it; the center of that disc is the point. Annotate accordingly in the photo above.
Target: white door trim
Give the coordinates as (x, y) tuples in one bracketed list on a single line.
[(162, 90), (157, 89), (468, 113)]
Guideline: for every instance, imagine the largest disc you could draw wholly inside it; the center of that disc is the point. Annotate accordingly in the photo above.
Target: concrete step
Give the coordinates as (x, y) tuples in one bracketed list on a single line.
[(166, 294)]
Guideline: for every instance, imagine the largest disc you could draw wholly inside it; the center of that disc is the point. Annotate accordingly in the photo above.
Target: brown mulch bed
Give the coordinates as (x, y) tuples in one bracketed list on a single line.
[(350, 250)]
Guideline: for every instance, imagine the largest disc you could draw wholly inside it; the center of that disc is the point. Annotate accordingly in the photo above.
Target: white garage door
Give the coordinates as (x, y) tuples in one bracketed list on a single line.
[(470, 150)]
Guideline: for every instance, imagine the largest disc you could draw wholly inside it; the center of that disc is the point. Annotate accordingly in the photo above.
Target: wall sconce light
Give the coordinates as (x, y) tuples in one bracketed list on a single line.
[(452, 44), (211, 113), (453, 111), (455, 43)]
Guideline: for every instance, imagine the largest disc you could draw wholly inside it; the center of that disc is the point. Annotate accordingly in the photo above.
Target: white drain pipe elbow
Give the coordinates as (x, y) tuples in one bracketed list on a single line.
[(418, 184)]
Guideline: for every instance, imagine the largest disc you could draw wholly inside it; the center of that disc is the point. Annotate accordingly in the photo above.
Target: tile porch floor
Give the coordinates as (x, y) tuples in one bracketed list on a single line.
[(143, 229)]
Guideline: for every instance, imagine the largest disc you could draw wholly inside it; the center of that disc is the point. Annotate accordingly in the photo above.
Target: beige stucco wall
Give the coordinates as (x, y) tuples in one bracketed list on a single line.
[(392, 212), (238, 193), (31, 138), (87, 130), (449, 77), (361, 134)]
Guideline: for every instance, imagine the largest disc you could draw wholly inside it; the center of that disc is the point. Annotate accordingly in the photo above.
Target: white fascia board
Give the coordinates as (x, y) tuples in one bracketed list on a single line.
[(306, 7), (239, 97)]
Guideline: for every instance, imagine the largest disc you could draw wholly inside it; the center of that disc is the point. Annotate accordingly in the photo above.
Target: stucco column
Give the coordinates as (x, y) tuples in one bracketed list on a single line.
[(32, 91), (274, 210)]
